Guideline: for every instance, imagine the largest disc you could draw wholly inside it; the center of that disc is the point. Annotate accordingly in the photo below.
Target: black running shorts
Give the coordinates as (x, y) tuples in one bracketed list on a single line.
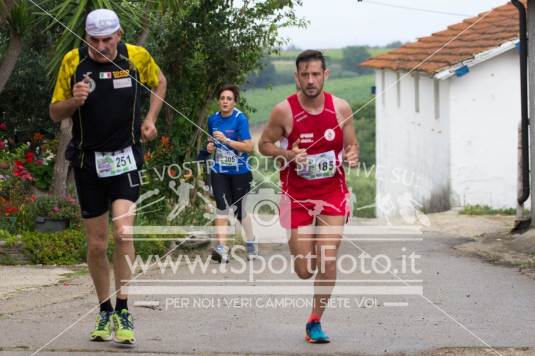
[(96, 194)]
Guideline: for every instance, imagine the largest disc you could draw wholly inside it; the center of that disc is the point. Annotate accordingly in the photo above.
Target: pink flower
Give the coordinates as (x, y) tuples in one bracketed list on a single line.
[(2, 145), (55, 209), (3, 126)]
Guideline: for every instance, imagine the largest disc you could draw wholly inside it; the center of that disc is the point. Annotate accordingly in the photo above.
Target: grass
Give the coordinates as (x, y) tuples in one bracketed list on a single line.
[(363, 186), (354, 89), (487, 210), (79, 272)]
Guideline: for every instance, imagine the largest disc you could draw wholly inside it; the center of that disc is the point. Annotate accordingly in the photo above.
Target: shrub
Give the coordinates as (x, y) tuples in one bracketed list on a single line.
[(56, 208), (70, 246), (62, 248)]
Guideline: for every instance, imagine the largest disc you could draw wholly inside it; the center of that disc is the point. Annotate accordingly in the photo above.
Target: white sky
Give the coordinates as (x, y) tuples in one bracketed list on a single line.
[(340, 23)]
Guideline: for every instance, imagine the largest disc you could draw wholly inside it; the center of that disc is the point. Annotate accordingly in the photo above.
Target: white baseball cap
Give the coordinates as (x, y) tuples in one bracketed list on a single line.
[(102, 22)]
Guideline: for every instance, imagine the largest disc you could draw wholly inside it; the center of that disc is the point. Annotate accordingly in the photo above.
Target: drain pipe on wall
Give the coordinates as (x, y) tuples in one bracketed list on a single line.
[(524, 190)]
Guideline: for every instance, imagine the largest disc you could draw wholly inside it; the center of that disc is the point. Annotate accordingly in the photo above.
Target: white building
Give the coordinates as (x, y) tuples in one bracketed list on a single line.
[(447, 131)]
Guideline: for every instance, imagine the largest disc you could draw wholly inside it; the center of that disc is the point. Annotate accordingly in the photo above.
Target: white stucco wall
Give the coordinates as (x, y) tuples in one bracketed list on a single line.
[(412, 152), (485, 112)]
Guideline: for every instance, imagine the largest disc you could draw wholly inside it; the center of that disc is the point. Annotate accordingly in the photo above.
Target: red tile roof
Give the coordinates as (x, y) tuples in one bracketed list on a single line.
[(490, 31)]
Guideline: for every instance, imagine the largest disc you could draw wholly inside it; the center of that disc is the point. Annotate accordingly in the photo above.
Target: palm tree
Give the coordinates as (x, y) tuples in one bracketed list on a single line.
[(18, 18)]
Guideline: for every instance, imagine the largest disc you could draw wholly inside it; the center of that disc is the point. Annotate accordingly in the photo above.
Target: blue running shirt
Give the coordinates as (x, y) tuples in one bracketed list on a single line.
[(235, 127)]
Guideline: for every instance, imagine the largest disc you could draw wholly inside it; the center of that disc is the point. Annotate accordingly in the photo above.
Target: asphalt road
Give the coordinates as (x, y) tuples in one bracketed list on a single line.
[(454, 301)]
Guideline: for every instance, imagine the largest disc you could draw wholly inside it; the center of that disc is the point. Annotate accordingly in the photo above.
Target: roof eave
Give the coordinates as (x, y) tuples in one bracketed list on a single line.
[(477, 59)]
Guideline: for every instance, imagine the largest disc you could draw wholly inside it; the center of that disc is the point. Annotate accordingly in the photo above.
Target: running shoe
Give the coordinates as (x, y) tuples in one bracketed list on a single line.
[(220, 254), (102, 331), (314, 333), (123, 324)]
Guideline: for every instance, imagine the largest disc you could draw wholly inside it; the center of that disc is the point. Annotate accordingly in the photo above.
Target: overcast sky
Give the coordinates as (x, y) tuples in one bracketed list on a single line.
[(340, 23)]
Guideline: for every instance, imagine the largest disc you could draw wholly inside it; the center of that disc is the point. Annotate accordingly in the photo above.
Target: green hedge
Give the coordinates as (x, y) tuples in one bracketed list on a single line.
[(62, 248), (70, 247)]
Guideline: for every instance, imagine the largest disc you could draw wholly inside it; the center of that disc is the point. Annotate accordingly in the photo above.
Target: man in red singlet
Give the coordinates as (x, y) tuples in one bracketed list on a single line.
[(316, 135)]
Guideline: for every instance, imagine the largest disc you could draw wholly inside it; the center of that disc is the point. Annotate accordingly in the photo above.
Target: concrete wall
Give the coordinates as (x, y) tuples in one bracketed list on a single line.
[(412, 147), (485, 113)]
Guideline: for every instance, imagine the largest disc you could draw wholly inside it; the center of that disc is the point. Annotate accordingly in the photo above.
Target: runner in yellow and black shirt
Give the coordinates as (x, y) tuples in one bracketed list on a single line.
[(110, 118), (98, 86)]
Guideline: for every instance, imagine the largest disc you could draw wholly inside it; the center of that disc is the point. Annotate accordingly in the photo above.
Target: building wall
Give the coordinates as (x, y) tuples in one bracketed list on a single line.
[(412, 147), (485, 113)]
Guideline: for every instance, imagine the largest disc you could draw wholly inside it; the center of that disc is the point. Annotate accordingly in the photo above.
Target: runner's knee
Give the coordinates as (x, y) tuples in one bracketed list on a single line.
[(303, 269), (97, 245), (122, 236)]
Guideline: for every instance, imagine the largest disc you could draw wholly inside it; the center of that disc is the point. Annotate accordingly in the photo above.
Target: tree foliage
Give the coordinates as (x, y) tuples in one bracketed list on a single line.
[(206, 44), (353, 56)]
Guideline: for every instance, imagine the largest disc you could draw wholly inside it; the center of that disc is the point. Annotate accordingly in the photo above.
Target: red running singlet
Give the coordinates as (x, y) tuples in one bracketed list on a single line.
[(319, 186)]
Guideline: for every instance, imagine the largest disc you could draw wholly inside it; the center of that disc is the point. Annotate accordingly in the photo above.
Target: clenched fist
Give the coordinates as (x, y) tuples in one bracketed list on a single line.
[(299, 155), (80, 92), (148, 130)]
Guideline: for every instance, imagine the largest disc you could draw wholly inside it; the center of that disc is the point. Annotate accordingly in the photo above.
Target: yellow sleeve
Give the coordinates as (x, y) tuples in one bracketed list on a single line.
[(62, 90), (145, 64)]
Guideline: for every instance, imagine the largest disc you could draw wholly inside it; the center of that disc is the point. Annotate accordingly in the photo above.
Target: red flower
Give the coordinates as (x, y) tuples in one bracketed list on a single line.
[(21, 172), (34, 197), (165, 141), (30, 157), (2, 145), (11, 210), (3, 126)]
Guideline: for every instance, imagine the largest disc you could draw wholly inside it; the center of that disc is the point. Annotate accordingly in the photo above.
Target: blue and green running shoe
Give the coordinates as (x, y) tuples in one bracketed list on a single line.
[(314, 333)]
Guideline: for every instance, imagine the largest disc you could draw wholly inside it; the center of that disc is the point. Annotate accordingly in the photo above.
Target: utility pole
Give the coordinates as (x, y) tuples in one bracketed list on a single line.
[(531, 83)]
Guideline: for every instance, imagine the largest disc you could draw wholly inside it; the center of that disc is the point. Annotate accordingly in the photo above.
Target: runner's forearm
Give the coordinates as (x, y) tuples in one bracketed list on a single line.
[(62, 109), (156, 98), (271, 150), (246, 146)]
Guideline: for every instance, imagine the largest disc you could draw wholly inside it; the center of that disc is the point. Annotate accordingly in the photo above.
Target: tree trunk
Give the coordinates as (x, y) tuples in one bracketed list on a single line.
[(143, 37), (61, 166), (146, 31), (11, 56), (199, 138), (5, 10)]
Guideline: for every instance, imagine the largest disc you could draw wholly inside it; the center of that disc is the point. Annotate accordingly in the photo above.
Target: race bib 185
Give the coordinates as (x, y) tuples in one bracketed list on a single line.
[(321, 165)]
